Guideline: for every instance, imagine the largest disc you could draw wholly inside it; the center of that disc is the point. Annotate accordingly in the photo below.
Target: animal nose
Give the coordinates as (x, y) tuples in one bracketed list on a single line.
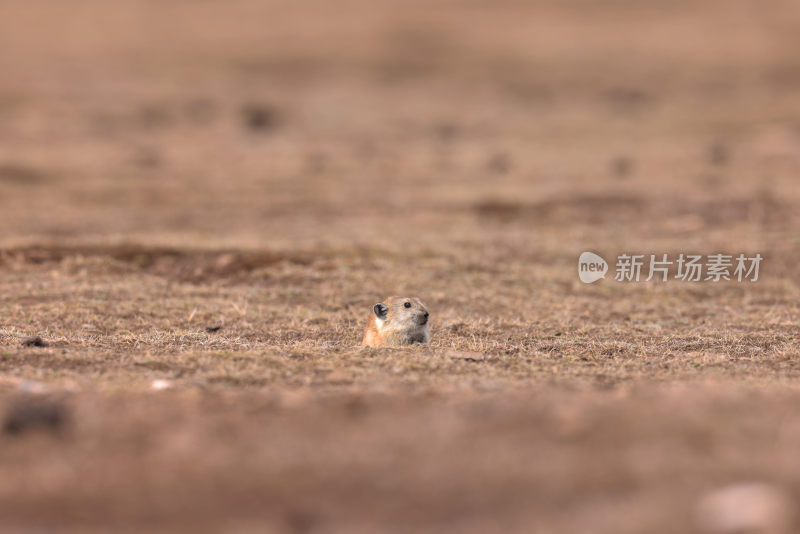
[(426, 315)]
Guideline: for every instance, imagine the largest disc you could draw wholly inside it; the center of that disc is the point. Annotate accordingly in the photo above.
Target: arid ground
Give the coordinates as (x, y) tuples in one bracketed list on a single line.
[(201, 201)]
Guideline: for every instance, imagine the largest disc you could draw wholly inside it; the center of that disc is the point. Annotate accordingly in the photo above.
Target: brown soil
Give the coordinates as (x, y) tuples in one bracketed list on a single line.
[(200, 202)]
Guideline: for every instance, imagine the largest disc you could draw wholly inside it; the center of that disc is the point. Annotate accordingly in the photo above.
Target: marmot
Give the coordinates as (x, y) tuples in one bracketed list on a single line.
[(397, 321)]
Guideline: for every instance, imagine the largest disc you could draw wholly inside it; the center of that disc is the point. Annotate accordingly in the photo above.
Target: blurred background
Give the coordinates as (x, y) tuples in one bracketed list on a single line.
[(546, 124)]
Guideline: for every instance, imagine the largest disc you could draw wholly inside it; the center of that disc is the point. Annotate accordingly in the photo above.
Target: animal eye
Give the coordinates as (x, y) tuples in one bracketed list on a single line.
[(407, 304)]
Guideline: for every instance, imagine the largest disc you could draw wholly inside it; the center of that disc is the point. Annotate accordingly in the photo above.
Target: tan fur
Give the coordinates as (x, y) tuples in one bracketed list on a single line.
[(402, 326)]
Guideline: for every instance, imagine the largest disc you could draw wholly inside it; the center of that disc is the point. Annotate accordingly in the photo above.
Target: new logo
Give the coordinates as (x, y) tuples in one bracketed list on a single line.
[(591, 267)]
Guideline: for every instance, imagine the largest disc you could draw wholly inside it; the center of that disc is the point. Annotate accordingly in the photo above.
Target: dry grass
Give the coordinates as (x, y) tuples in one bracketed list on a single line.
[(113, 317)]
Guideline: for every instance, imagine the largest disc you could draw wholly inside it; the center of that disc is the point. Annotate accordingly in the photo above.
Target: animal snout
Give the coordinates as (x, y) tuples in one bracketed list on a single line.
[(423, 318)]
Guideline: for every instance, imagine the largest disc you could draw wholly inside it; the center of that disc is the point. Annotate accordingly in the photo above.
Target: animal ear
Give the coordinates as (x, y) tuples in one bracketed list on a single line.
[(380, 310)]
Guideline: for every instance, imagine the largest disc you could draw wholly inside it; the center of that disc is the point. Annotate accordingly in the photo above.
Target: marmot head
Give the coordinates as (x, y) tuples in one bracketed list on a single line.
[(401, 313)]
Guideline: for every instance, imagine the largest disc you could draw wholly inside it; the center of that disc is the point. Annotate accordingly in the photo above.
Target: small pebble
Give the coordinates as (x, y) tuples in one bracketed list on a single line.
[(160, 385), (34, 412), (259, 117), (744, 507), (33, 341)]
